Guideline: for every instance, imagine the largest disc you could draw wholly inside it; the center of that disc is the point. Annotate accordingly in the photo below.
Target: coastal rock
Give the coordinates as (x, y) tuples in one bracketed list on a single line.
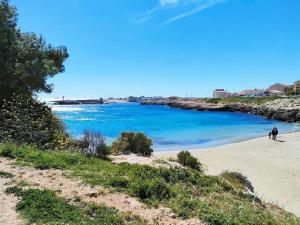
[(285, 109), (297, 117)]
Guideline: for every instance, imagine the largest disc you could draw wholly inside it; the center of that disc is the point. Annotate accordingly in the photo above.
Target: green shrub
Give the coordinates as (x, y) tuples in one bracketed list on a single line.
[(14, 190), (238, 180), (130, 142), (93, 143), (151, 190), (102, 151), (26, 120), (6, 174), (185, 206), (119, 182), (6, 151), (186, 159)]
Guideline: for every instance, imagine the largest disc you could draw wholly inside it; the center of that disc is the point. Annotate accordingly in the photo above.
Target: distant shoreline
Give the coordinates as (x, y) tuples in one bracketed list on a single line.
[(285, 109), (199, 148)]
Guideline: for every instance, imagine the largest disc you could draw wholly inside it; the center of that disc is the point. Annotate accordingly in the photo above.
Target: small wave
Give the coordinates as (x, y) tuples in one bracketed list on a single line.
[(65, 109), (85, 119)]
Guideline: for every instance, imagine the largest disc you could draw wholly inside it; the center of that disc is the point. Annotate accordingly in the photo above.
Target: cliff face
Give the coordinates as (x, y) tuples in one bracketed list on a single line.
[(287, 110)]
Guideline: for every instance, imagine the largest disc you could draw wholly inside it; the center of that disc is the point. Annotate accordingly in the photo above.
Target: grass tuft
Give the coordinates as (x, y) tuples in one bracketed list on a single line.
[(6, 174), (238, 180)]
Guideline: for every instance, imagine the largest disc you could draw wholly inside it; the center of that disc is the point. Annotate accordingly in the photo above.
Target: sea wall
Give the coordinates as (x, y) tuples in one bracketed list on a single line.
[(287, 110)]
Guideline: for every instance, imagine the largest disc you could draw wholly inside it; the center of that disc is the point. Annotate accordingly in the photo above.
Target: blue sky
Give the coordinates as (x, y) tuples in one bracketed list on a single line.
[(167, 47)]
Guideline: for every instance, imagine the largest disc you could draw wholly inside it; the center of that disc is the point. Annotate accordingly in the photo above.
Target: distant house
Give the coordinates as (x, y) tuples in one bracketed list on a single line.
[(297, 87), (276, 89), (221, 93), (252, 93)]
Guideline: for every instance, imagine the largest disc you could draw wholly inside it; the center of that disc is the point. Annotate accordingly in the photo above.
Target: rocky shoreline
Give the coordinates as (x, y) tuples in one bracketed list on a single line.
[(286, 109)]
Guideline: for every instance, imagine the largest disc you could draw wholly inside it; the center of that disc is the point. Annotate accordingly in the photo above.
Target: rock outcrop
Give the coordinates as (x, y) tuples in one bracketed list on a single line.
[(285, 109)]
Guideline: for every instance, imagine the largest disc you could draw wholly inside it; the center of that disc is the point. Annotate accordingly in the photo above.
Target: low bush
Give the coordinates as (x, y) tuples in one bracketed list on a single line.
[(6, 174), (238, 180), (131, 142), (93, 143), (119, 182), (186, 159), (14, 190), (151, 190), (7, 151), (103, 151)]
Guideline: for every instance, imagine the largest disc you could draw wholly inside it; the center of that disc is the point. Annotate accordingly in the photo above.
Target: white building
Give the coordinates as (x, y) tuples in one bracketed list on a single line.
[(221, 93)]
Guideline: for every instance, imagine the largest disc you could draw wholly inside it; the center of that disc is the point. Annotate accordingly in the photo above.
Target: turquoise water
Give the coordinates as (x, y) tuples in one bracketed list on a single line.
[(169, 128)]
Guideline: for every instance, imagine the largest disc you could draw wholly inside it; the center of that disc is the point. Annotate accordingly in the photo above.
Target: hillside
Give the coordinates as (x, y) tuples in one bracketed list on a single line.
[(64, 187)]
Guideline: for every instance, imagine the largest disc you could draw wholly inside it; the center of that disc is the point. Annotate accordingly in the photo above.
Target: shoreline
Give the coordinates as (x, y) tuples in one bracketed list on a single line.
[(285, 109), (273, 167), (204, 148)]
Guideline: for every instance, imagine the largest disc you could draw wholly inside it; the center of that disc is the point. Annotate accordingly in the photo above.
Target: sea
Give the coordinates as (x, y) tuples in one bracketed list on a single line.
[(169, 128)]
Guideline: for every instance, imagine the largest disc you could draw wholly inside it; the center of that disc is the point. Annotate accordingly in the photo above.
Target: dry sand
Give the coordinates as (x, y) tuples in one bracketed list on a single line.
[(273, 167)]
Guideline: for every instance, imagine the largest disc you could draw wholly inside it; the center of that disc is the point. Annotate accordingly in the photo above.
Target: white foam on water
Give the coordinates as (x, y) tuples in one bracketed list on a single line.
[(62, 108), (85, 119)]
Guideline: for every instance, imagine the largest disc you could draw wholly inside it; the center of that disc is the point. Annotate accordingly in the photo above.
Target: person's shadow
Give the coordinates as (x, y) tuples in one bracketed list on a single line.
[(279, 141)]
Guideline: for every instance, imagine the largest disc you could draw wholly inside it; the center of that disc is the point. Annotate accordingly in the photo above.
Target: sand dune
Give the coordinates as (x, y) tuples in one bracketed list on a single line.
[(272, 166)]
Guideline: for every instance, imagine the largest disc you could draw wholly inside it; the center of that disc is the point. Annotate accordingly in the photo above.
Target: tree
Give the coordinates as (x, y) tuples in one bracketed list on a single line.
[(26, 60), (289, 90), (27, 121)]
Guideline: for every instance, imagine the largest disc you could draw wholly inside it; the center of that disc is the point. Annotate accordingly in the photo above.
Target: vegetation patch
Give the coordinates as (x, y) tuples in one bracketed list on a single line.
[(186, 159), (29, 155), (246, 100), (6, 174), (23, 119), (188, 192), (131, 142), (44, 207), (238, 180), (93, 144)]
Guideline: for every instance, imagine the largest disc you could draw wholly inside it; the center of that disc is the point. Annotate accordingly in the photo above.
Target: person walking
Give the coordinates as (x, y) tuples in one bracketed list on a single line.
[(274, 133)]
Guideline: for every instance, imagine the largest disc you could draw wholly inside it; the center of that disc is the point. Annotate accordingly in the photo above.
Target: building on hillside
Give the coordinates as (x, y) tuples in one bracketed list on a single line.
[(221, 93), (297, 87), (252, 93), (276, 89)]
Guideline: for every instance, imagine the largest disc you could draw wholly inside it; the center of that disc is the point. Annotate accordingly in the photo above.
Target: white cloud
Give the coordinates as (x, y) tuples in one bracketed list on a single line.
[(199, 8), (187, 8), (166, 3)]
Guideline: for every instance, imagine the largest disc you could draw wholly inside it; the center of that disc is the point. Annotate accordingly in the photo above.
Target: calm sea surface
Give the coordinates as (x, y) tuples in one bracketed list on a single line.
[(169, 128)]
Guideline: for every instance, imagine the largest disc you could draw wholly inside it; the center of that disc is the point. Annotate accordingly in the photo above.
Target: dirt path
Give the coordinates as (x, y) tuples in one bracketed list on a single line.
[(8, 214), (69, 188)]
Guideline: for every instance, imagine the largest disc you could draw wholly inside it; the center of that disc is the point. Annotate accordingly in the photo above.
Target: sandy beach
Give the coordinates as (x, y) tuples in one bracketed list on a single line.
[(273, 167)]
